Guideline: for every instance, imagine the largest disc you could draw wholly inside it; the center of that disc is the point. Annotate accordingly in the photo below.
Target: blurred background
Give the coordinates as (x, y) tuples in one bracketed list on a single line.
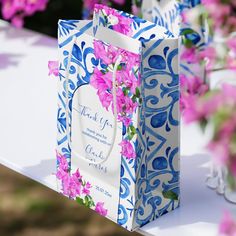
[(30, 209)]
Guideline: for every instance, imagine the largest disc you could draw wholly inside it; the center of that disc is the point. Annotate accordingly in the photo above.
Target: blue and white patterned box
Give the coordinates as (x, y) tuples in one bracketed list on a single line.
[(133, 190)]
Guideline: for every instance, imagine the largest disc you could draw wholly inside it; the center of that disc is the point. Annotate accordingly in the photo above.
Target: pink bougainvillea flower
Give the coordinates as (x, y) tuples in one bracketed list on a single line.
[(124, 26), (72, 186), (53, 67), (105, 98), (189, 55), (99, 49), (191, 88), (209, 55), (63, 167), (125, 120), (228, 93), (86, 189), (227, 226), (220, 150), (231, 63), (127, 149), (231, 43), (193, 85), (101, 81), (99, 208), (16, 10)]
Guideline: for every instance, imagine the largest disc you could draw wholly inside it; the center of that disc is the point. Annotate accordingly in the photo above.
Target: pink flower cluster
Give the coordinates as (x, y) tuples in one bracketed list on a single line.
[(220, 108), (194, 56), (222, 14), (74, 187), (53, 67), (16, 10), (115, 20), (228, 225), (127, 87), (191, 89), (99, 208)]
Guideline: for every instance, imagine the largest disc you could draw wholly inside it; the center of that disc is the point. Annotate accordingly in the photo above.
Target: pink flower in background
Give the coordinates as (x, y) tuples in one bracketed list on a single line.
[(231, 43), (227, 226), (16, 10), (189, 55), (89, 4), (127, 149), (229, 93), (209, 55), (99, 208), (53, 67), (191, 88), (231, 63), (193, 85), (220, 150), (135, 10)]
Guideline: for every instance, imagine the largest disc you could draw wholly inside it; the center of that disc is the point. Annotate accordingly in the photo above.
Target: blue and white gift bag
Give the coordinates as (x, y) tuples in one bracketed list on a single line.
[(118, 116), (168, 14)]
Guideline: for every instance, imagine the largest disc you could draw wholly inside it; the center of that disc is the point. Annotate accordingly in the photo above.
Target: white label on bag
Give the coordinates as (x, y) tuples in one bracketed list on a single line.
[(91, 139)]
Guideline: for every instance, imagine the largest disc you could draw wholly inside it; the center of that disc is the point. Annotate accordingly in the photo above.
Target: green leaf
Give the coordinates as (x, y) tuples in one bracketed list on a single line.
[(133, 130), (134, 98), (187, 42), (80, 201), (170, 195), (119, 67), (126, 91), (137, 93)]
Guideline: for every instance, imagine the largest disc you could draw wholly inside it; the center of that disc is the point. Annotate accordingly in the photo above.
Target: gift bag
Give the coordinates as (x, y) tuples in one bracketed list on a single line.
[(168, 14), (118, 117)]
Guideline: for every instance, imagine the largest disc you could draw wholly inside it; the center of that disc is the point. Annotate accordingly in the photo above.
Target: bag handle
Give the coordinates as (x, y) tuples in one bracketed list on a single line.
[(68, 129)]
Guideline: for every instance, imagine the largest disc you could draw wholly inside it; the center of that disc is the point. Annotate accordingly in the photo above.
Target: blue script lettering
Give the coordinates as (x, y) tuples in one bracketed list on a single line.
[(94, 116), (90, 150)]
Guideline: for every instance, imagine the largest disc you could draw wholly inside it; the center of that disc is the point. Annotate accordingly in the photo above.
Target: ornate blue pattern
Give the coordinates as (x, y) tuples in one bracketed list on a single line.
[(168, 16)]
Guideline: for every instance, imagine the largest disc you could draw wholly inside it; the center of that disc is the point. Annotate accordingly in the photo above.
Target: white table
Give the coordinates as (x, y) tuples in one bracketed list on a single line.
[(28, 103)]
